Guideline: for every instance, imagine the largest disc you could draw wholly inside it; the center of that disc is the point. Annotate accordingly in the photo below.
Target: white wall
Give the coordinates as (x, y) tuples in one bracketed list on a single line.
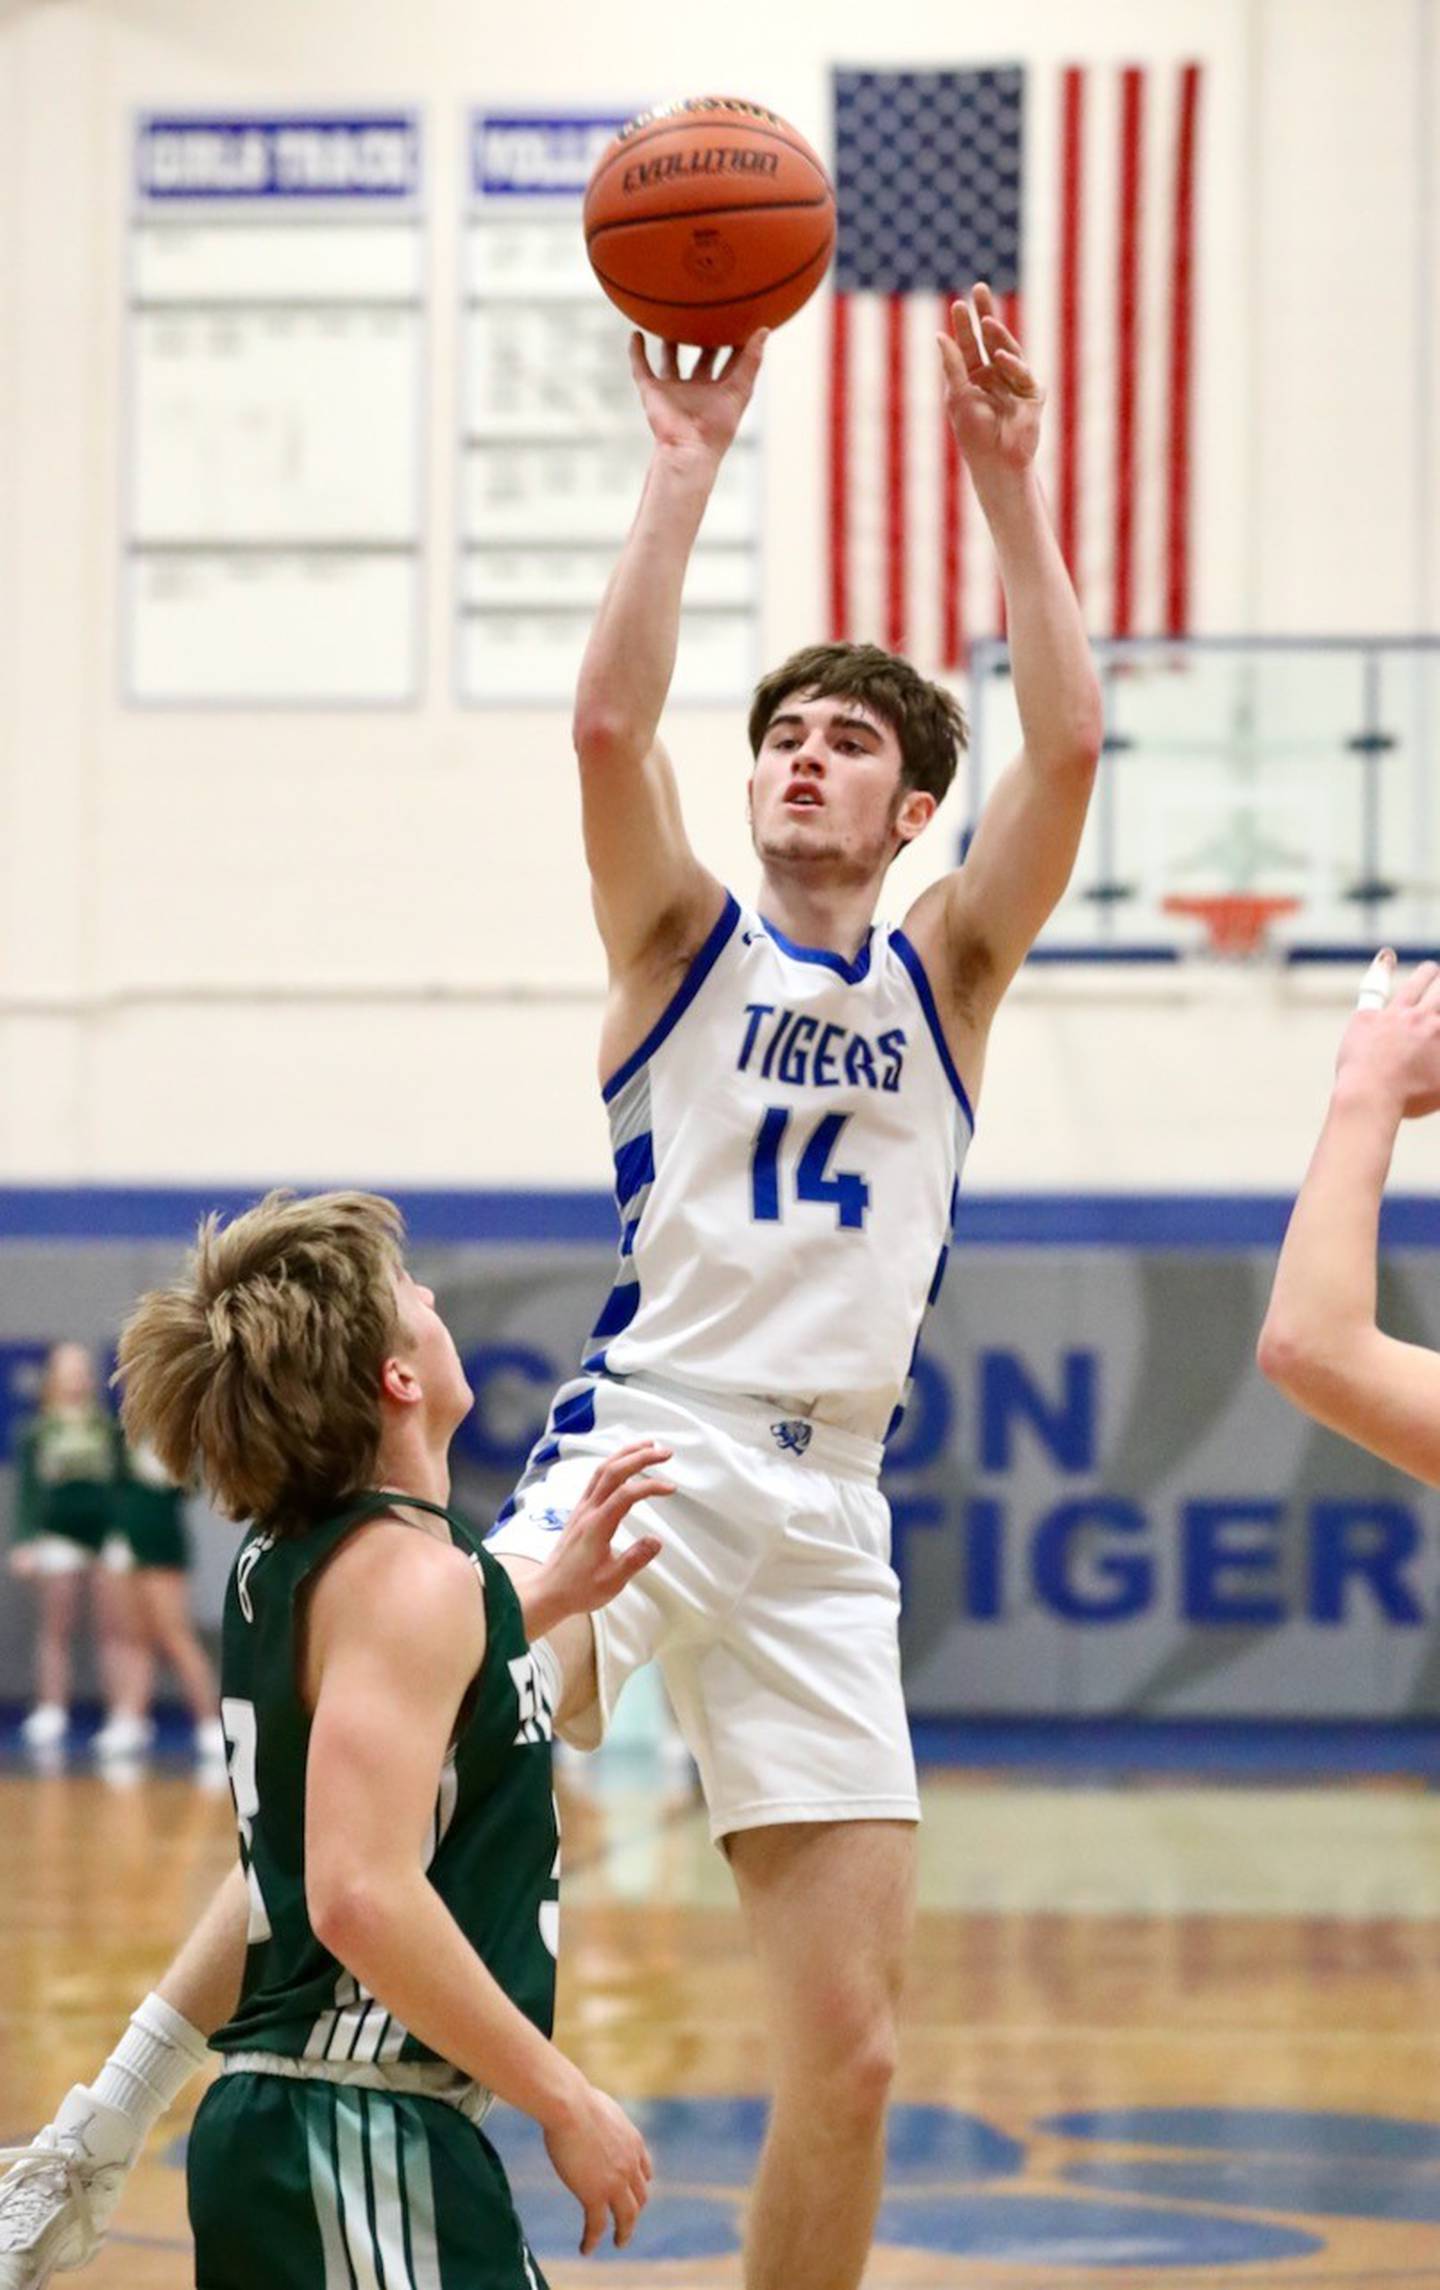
[(240, 946)]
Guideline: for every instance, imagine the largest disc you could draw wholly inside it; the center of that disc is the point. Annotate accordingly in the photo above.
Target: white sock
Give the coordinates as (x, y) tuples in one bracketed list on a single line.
[(151, 2064)]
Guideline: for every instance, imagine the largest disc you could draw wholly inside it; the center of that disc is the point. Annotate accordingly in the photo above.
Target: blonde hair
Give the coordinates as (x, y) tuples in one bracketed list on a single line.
[(259, 1373)]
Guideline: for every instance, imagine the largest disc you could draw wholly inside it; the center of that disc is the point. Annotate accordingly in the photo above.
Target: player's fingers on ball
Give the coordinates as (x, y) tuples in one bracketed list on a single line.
[(670, 356), (703, 369)]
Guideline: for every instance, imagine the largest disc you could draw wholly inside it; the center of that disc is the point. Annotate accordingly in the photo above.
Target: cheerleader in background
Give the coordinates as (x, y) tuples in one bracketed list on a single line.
[(70, 1463), (151, 1516)]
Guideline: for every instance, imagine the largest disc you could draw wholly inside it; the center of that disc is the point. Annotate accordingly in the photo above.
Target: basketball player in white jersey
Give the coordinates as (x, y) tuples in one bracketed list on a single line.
[(791, 1094), (1321, 1342)]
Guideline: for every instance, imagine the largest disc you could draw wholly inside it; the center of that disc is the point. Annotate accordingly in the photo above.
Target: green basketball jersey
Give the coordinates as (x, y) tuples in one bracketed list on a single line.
[(493, 1854)]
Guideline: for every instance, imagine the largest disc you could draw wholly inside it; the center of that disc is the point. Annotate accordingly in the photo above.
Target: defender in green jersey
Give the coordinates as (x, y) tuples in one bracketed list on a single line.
[(388, 1700), (309, 2124)]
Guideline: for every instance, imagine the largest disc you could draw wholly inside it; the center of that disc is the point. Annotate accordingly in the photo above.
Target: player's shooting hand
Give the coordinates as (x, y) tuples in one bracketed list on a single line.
[(606, 2165), (696, 413), (1390, 1051), (992, 399), (587, 1571), (21, 1560)]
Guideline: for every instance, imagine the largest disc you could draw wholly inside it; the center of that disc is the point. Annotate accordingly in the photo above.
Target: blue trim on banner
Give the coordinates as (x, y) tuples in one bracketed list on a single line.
[(1090, 1747), (275, 156), (529, 155), (1213, 1221), (171, 1213)]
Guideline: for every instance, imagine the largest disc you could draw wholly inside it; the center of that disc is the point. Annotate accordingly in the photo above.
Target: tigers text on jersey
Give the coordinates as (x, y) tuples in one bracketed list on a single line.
[(788, 1145), (493, 1852)]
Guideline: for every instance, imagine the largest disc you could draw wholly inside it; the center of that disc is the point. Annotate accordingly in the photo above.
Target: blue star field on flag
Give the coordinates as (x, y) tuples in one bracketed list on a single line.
[(928, 170)]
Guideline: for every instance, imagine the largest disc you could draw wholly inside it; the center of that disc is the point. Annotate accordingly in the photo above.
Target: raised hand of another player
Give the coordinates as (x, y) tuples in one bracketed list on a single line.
[(696, 413), (1390, 1051), (587, 1571), (992, 399)]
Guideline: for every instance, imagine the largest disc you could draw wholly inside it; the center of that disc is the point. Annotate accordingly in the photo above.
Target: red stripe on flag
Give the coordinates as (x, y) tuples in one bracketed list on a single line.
[(1011, 317), (839, 499), (952, 532), (1182, 315), (895, 472), (1072, 193), (1127, 348)]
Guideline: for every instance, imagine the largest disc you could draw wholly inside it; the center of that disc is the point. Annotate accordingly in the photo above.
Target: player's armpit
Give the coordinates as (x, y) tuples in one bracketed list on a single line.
[(1371, 1388)]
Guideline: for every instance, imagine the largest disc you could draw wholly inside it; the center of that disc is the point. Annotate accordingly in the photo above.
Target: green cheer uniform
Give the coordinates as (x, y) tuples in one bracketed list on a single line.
[(70, 1465), (337, 2150), (150, 1513)]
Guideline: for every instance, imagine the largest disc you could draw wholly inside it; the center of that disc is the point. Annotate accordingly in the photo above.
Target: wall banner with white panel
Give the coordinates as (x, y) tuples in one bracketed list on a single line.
[(274, 479), (553, 444)]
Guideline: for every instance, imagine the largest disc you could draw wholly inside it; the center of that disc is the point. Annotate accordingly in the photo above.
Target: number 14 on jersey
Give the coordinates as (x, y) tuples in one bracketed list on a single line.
[(847, 1192)]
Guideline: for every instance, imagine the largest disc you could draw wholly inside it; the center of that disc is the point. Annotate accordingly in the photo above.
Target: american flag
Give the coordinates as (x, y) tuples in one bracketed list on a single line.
[(1074, 193)]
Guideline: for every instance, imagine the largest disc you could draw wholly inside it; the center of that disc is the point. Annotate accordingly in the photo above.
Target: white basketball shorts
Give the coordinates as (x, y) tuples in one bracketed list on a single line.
[(772, 1609)]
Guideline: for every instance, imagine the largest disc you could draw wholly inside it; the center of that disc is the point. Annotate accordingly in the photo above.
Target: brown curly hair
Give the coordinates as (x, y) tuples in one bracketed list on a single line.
[(928, 721)]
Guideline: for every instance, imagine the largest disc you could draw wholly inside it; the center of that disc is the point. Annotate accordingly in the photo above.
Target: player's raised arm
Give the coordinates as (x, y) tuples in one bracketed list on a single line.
[(976, 927), (1321, 1342), (651, 893)]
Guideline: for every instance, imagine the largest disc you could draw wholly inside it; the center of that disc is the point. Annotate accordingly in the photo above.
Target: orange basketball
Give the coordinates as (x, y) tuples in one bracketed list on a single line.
[(708, 219)]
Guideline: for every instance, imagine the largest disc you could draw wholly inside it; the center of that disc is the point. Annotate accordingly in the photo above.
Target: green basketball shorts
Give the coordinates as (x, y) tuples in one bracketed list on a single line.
[(309, 2185)]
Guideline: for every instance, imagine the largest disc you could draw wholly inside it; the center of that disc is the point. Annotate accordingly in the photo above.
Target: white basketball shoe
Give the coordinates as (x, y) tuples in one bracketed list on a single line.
[(60, 2192)]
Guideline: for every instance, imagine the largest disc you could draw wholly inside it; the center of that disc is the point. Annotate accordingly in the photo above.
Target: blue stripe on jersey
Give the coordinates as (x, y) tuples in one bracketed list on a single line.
[(575, 1414), (634, 1167), (680, 1002), (931, 1301), (627, 1237), (851, 972), (621, 1306), (926, 998), (572, 1414)]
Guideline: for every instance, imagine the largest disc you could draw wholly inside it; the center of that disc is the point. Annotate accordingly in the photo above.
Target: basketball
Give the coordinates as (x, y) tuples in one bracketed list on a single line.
[(709, 219)]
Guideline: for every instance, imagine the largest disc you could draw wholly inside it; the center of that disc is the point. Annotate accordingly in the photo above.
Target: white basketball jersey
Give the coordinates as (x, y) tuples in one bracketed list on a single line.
[(788, 1144)]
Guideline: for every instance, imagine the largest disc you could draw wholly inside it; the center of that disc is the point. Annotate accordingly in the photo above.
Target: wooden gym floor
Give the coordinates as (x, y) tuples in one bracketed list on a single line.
[(1181, 2034)]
